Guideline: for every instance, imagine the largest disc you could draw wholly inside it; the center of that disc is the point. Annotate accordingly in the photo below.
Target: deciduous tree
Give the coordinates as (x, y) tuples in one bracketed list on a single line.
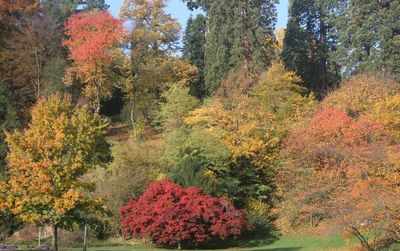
[(153, 65), (46, 163), (360, 93), (91, 38), (339, 170)]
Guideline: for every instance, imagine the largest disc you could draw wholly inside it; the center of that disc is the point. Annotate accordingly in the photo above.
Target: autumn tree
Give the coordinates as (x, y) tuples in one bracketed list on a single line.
[(172, 215), (91, 38), (28, 53), (251, 117), (46, 163), (340, 171), (153, 65), (176, 106), (387, 111), (11, 10), (359, 94)]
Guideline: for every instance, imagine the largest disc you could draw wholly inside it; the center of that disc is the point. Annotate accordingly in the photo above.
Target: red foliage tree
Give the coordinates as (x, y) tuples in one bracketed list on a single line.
[(171, 215), (91, 38)]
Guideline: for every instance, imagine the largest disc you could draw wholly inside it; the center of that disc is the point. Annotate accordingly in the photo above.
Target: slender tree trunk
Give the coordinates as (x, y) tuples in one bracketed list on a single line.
[(361, 238), (84, 238), (179, 245), (97, 105), (323, 49), (133, 113), (54, 241), (40, 237), (246, 43)]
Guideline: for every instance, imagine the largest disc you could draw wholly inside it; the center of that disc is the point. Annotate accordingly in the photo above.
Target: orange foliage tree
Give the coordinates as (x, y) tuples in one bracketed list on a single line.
[(46, 163), (340, 170), (91, 39)]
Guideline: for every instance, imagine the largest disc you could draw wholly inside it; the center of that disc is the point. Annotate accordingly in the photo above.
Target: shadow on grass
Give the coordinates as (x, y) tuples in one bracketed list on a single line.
[(281, 249)]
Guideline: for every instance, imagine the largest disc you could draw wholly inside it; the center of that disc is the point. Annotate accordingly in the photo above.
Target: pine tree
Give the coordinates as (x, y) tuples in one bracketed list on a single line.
[(94, 4), (369, 39), (193, 50), (308, 44), (239, 33), (59, 10), (195, 4)]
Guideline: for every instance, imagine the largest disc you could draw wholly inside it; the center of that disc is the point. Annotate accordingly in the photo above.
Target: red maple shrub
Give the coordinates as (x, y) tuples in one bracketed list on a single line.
[(172, 215)]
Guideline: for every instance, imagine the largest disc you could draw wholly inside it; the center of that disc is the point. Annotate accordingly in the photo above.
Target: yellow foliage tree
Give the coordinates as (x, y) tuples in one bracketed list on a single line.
[(153, 65), (388, 112), (46, 163), (252, 119), (359, 94)]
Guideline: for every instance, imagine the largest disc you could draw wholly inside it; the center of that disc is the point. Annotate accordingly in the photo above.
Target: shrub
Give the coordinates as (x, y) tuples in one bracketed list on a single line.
[(134, 165), (172, 215)]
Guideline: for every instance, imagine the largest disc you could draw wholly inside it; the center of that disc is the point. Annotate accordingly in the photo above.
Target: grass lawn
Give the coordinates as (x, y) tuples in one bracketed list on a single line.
[(286, 243)]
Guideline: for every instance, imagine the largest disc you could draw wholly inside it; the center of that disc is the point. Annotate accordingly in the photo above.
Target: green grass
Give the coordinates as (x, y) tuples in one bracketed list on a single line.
[(292, 243)]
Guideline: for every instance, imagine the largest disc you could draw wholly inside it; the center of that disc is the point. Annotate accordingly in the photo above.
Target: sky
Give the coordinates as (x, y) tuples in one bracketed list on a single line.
[(178, 10)]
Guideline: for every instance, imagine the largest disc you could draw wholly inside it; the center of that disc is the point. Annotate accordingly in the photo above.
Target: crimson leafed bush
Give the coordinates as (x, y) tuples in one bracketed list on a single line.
[(172, 215)]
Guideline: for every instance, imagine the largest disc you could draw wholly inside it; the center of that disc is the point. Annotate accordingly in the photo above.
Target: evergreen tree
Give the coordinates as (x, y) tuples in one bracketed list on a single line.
[(94, 4), (195, 4), (59, 10), (369, 39), (193, 50), (308, 44), (239, 33)]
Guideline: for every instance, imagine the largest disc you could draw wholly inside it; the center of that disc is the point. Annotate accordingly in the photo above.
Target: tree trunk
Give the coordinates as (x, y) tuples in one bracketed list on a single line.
[(133, 113), (323, 49), (84, 238), (179, 245), (97, 109), (361, 238), (54, 241), (39, 237)]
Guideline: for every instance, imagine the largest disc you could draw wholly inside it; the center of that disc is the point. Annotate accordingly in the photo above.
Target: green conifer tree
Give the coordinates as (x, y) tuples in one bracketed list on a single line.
[(308, 44), (369, 36), (239, 33), (193, 50)]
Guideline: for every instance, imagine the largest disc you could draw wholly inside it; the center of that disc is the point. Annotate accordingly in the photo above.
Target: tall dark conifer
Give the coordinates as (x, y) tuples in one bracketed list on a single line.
[(193, 49), (369, 36), (239, 34), (308, 44)]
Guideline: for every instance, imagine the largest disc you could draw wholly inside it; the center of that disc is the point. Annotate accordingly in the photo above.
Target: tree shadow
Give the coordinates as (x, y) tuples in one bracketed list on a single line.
[(281, 249)]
